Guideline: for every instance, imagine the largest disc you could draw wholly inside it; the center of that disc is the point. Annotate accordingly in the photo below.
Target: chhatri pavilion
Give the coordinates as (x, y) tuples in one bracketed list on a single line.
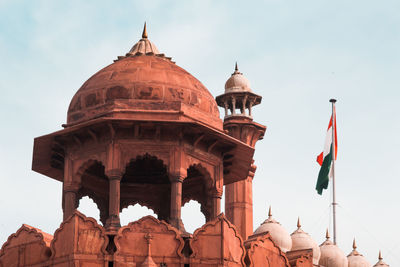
[(145, 131)]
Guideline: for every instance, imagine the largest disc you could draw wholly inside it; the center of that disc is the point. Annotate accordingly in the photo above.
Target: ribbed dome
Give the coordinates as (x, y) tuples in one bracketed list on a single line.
[(356, 259), (302, 240), (237, 82), (144, 46), (380, 262), (279, 235), (332, 255), (143, 81)]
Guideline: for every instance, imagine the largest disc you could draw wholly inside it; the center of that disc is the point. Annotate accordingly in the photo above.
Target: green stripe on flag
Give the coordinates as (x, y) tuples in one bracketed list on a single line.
[(323, 176)]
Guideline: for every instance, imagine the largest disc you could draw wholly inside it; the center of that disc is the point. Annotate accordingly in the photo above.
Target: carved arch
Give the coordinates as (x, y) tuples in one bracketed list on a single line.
[(85, 167), (146, 182), (130, 202), (101, 203), (198, 186), (125, 204), (129, 155), (142, 161)]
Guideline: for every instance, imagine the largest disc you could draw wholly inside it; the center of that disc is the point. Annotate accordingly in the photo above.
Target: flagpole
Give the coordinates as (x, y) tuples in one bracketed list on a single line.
[(333, 101)]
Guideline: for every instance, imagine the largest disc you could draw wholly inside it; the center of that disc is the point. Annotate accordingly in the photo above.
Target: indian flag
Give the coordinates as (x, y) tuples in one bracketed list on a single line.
[(325, 158)]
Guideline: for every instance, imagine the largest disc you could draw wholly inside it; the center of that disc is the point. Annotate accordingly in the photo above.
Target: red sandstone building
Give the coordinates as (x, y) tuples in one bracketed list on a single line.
[(144, 131)]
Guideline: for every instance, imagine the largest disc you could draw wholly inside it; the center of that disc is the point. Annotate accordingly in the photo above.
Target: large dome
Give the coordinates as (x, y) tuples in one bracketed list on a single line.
[(143, 81)]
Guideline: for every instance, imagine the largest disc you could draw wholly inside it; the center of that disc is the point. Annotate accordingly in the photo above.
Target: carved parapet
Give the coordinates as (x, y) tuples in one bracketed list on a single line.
[(132, 243), (79, 237), (300, 258), (217, 243), (26, 247), (262, 251)]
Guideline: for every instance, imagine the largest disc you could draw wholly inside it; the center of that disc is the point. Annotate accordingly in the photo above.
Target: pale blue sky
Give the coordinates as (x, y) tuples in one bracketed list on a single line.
[(296, 54)]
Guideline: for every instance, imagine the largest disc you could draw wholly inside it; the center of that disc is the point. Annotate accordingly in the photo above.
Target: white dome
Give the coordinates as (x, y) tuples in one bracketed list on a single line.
[(380, 262), (302, 240), (279, 235), (356, 259), (237, 83), (332, 255)]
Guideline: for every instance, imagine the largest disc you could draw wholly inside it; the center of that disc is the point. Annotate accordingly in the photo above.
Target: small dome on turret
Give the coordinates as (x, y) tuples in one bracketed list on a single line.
[(237, 82), (238, 95), (356, 259), (279, 235), (302, 240), (380, 262), (331, 255)]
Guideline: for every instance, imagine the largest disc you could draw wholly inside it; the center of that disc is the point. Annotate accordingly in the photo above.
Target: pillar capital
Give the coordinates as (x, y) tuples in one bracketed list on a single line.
[(71, 187), (176, 178), (217, 193), (114, 174)]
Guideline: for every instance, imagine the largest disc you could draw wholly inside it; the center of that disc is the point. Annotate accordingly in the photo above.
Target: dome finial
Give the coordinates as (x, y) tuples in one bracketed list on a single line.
[(269, 212), (354, 244), (144, 34), (298, 223), (327, 234), (236, 66), (380, 256)]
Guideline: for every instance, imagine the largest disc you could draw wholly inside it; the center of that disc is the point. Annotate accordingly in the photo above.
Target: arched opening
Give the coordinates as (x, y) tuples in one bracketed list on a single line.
[(198, 186), (146, 182), (133, 213), (95, 185), (88, 207), (192, 216), (146, 169)]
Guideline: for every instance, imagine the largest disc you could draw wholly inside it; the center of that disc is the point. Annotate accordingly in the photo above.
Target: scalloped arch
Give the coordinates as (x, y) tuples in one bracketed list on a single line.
[(132, 156), (85, 166)]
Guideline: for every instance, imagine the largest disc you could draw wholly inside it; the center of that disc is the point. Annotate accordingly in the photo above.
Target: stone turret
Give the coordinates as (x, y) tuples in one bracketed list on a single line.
[(238, 101)]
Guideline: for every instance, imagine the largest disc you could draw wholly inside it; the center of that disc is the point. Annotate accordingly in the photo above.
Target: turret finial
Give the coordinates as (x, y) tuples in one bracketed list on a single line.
[(327, 234), (380, 256), (236, 66), (354, 244), (144, 34), (269, 212), (298, 223)]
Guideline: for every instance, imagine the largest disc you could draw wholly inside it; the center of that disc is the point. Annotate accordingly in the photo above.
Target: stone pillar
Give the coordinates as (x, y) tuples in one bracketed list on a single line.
[(216, 204), (176, 202), (233, 105), (226, 106), (239, 206), (70, 192), (244, 105), (250, 106), (114, 177)]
